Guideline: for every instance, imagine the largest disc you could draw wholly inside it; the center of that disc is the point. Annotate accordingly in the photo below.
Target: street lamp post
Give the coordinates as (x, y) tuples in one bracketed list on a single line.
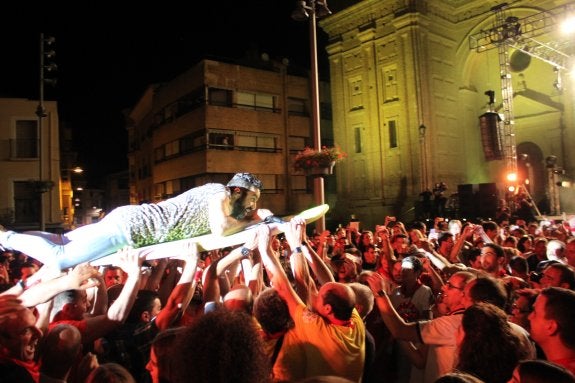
[(41, 113), (312, 10)]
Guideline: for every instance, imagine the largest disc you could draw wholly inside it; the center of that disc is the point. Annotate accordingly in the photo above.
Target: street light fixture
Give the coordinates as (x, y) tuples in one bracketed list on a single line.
[(312, 10)]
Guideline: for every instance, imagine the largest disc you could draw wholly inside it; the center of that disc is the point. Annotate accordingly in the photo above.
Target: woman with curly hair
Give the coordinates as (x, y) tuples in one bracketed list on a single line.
[(222, 346), (488, 348)]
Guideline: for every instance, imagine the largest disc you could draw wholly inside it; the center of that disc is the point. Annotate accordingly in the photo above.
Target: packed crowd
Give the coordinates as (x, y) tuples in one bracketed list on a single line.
[(485, 302)]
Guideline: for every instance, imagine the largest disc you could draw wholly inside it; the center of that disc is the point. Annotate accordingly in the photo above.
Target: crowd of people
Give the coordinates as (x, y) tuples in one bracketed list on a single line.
[(402, 302)]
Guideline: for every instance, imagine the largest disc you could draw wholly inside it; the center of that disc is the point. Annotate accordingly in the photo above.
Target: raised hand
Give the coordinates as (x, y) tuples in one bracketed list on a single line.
[(129, 261), (80, 276), (9, 304), (294, 230), (376, 282)]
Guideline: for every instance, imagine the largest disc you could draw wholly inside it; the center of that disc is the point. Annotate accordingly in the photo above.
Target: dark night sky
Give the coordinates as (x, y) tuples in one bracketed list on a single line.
[(106, 61)]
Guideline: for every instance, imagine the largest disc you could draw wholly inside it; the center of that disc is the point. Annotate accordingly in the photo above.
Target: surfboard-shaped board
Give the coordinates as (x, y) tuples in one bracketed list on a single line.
[(211, 241)]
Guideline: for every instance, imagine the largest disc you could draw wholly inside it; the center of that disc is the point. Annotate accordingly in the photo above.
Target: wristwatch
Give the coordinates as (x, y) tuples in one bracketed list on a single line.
[(245, 252), (380, 293)]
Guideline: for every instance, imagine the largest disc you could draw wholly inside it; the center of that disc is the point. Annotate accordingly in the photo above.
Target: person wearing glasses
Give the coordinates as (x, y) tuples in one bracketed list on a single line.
[(437, 334), (522, 306)]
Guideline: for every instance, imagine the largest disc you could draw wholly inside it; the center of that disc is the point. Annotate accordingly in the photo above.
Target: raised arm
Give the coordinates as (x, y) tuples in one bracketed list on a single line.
[(182, 293), (78, 278), (130, 263), (100, 303), (456, 250), (320, 269), (385, 262), (279, 279), (303, 282), (394, 322), (100, 325)]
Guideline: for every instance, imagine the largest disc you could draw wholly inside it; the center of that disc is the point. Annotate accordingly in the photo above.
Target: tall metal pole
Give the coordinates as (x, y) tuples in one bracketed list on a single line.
[(41, 113), (318, 184)]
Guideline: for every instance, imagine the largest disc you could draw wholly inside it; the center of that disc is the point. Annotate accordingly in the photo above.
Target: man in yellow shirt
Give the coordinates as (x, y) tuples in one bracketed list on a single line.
[(331, 335)]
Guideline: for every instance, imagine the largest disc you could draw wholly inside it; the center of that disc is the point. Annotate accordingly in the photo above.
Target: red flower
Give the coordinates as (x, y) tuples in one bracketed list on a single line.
[(311, 158)]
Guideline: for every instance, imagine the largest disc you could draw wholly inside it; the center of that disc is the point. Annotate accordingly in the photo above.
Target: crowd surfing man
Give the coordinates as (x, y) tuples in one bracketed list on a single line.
[(212, 208)]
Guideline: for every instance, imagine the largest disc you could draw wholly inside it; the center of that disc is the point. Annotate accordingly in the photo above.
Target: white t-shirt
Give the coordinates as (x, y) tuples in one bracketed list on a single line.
[(440, 335)]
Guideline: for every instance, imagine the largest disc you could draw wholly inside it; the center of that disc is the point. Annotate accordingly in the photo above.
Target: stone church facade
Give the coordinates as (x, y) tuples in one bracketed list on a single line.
[(409, 80)]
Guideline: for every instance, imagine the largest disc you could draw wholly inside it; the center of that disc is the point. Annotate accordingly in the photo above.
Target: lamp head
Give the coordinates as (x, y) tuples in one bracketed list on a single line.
[(422, 129), (551, 161), (49, 40), (300, 13), (321, 9)]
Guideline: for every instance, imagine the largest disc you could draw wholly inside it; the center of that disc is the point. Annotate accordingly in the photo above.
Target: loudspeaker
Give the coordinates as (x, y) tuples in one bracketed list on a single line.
[(467, 204), (490, 136), (488, 200)]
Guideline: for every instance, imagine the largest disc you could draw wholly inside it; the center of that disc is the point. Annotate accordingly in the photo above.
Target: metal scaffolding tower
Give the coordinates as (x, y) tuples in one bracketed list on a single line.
[(510, 31)]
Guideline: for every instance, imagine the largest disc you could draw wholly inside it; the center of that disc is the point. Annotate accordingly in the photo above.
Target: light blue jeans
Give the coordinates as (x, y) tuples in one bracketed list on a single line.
[(85, 244)]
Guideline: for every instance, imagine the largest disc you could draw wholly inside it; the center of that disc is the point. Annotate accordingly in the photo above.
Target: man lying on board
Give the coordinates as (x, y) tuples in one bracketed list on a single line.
[(212, 208)]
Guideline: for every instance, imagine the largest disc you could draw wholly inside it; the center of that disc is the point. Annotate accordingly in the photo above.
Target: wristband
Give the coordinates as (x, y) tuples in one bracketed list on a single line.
[(245, 252), (22, 283), (297, 250), (380, 293)]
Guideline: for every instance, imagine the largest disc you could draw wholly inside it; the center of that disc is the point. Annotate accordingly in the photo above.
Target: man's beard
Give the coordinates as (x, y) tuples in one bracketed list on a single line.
[(239, 211)]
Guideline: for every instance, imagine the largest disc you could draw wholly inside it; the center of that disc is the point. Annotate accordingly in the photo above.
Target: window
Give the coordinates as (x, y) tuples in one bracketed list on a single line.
[(356, 93), (172, 148), (257, 101), (247, 141), (392, 134), (296, 106), (296, 144), (159, 154), (223, 140), (159, 190), (190, 101), (270, 183), (298, 183), (168, 189), (390, 83), (259, 142), (26, 143), (357, 137), (182, 146), (220, 97), (26, 202), (193, 142)]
